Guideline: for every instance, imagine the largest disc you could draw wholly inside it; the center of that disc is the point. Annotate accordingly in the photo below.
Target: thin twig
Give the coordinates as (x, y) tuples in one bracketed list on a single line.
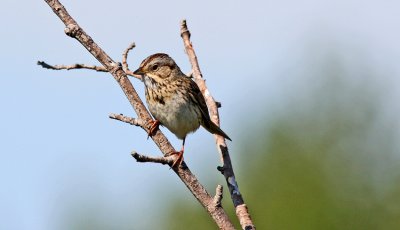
[(143, 158), (227, 169), (125, 66), (74, 66), (218, 195), (75, 31), (130, 120), (94, 67)]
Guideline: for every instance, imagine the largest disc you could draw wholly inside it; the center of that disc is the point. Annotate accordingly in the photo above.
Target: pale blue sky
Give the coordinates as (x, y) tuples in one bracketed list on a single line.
[(59, 149)]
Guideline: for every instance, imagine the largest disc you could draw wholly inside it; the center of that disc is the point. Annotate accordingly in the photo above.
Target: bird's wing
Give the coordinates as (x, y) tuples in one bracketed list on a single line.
[(198, 99), (197, 96)]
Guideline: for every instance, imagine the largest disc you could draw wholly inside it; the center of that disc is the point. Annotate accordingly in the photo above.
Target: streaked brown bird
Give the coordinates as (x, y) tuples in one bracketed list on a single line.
[(174, 100)]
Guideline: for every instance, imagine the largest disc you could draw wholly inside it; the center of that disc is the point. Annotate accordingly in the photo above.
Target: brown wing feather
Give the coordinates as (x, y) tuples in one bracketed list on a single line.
[(198, 98)]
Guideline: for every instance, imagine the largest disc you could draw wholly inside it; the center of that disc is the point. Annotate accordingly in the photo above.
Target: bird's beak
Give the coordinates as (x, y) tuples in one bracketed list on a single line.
[(139, 72)]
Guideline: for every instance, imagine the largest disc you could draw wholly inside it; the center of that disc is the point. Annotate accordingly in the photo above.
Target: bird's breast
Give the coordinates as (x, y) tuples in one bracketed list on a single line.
[(175, 112)]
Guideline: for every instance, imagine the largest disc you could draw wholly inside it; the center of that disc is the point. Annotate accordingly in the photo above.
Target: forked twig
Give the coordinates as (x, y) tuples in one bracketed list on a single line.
[(94, 67), (125, 66)]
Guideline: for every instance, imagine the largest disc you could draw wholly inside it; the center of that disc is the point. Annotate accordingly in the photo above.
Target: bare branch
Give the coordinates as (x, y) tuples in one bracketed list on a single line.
[(245, 219), (143, 158), (125, 63), (75, 31), (218, 195), (81, 66), (227, 169), (130, 120), (74, 66), (93, 67)]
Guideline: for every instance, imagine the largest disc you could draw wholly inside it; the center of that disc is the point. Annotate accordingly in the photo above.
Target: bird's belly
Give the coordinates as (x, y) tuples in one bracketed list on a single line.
[(177, 116)]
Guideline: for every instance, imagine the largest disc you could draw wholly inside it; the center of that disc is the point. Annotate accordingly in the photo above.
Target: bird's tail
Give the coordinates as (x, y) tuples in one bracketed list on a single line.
[(214, 129)]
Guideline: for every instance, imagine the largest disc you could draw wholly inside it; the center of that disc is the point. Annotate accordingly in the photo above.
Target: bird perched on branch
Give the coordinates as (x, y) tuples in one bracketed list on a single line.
[(174, 100)]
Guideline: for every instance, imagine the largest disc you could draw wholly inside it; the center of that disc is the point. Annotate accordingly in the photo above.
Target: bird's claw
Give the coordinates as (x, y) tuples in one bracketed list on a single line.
[(179, 159), (154, 124)]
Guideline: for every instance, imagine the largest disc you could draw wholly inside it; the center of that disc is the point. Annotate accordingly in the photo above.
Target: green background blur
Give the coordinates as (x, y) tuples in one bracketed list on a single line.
[(328, 161)]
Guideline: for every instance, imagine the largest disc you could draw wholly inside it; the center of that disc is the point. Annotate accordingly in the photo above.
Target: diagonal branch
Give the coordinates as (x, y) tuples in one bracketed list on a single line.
[(75, 31), (227, 169)]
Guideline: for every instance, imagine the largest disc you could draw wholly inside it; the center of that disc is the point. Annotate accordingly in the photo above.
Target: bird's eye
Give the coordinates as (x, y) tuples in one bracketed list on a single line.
[(154, 67)]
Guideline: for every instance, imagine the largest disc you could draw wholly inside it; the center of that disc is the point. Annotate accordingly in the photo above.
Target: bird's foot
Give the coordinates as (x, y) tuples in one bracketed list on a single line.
[(154, 124), (179, 159)]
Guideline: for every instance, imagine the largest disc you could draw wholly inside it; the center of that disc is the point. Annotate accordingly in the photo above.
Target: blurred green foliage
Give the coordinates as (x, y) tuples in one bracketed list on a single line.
[(328, 161)]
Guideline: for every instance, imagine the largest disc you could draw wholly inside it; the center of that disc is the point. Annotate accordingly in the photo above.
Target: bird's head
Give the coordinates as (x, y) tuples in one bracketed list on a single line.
[(158, 67)]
